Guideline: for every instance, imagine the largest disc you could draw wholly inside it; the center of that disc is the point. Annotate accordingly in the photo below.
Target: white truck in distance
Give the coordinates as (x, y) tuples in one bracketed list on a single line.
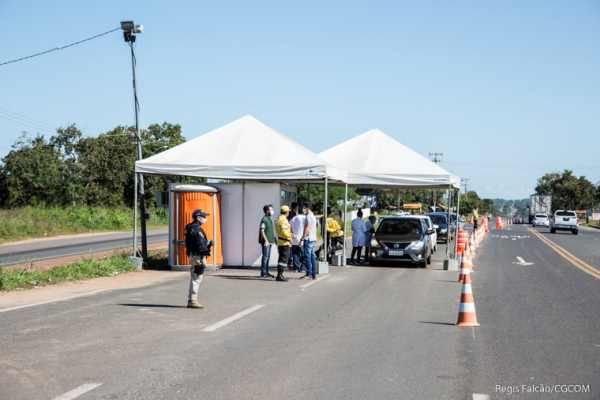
[(539, 204), (564, 220)]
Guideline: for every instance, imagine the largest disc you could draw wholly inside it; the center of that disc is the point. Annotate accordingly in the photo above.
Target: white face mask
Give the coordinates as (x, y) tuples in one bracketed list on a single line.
[(202, 220)]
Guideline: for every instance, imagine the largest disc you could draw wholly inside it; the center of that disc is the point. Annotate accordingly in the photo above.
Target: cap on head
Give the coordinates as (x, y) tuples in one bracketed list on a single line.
[(199, 213), (285, 209)]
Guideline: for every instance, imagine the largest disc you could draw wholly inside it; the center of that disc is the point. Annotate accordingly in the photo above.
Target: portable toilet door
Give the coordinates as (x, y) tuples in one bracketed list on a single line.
[(183, 200)]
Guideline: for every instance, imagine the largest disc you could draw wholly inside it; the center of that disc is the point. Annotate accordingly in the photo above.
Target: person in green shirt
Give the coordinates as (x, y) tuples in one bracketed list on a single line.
[(266, 239)]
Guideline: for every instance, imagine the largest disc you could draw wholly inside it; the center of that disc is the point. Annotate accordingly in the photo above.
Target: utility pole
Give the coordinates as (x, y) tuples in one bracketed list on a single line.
[(465, 181), (130, 29), (436, 157)]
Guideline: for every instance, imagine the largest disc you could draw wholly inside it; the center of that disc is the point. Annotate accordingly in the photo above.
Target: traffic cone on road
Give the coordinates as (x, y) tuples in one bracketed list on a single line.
[(466, 312), (466, 267)]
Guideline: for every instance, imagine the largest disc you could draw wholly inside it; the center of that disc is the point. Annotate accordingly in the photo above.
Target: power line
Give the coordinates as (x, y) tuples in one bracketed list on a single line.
[(41, 53), (25, 119)]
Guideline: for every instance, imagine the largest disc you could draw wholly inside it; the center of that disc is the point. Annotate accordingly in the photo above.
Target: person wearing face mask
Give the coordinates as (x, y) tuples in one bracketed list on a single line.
[(266, 239), (197, 248), (310, 240)]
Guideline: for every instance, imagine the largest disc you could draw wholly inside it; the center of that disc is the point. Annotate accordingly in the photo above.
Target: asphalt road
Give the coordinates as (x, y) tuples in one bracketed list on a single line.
[(585, 245), (361, 333), (66, 246)]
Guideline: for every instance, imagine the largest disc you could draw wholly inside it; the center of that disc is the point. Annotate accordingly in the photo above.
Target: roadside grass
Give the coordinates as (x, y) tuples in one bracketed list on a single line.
[(116, 264), (34, 222)]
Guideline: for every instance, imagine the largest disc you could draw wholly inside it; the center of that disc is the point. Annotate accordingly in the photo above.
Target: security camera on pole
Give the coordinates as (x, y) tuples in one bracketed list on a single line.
[(130, 30)]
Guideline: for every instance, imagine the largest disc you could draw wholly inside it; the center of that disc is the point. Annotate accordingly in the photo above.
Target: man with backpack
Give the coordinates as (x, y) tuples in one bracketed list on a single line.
[(197, 248)]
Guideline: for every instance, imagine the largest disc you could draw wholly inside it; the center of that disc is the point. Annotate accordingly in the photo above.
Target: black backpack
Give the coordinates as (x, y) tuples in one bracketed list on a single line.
[(195, 240)]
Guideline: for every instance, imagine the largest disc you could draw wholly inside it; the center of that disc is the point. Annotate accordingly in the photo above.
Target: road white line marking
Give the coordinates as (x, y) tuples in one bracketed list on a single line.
[(78, 391), (54, 300), (309, 284), (522, 262), (481, 396), (234, 317)]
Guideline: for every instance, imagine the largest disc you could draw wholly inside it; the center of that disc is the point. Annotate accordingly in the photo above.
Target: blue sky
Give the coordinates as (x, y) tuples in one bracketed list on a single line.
[(506, 90)]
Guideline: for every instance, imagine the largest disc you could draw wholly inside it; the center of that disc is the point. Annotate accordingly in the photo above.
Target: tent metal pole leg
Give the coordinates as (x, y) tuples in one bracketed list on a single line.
[(457, 220), (448, 223), (325, 218), (345, 222), (214, 216)]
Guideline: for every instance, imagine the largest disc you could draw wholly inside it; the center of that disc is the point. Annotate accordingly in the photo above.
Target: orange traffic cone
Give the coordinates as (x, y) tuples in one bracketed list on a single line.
[(466, 267), (466, 312)]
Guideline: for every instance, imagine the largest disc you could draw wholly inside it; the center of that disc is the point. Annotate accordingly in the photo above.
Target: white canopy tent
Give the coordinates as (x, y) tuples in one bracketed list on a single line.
[(245, 149), (376, 159)]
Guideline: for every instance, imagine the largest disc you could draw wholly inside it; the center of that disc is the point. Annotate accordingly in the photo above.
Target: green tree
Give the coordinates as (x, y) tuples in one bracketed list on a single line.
[(469, 202), (32, 173), (66, 141), (567, 190), (315, 193), (107, 167)]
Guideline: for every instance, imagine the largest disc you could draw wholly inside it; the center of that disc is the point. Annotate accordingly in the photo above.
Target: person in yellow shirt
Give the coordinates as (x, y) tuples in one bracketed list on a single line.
[(284, 242), (335, 235)]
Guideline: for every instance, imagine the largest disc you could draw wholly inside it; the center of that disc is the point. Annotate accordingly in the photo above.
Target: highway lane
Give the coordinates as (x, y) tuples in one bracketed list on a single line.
[(33, 250), (540, 323), (585, 245)]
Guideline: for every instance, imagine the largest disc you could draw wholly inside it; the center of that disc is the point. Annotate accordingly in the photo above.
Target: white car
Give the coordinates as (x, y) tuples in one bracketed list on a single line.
[(432, 236), (564, 220), (541, 220)]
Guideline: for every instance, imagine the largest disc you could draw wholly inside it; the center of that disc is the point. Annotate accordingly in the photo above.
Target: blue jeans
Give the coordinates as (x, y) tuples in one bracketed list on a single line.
[(297, 258), (310, 258), (264, 262)]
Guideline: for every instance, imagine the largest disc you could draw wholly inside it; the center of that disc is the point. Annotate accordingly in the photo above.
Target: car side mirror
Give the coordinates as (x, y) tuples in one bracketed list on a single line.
[(429, 231)]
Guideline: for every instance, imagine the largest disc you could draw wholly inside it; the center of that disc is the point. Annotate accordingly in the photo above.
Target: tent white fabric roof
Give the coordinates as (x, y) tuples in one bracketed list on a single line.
[(243, 149), (376, 159)]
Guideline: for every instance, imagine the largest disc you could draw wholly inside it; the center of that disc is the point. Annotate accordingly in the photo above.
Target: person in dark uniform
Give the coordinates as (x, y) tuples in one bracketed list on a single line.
[(197, 248)]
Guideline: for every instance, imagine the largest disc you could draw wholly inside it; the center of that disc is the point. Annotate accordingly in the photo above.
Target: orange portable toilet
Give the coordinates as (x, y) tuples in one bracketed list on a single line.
[(183, 200)]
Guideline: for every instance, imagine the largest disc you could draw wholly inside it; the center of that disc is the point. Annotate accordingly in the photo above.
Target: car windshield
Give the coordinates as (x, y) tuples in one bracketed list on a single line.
[(541, 216), (439, 220), (407, 228), (565, 213)]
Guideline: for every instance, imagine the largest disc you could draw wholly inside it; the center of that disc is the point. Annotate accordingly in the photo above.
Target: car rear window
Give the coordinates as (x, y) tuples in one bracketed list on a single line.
[(400, 227), (566, 214), (438, 219)]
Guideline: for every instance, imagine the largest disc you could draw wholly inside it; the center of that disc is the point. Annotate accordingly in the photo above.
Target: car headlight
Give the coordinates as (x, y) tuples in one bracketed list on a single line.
[(443, 230), (416, 245), (374, 243)]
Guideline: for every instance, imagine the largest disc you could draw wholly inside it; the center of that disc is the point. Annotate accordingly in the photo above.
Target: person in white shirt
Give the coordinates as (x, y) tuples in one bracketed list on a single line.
[(297, 223), (358, 237), (310, 241)]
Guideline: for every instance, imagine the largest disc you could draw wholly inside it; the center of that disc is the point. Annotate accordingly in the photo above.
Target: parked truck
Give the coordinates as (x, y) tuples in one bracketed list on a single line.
[(539, 204)]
